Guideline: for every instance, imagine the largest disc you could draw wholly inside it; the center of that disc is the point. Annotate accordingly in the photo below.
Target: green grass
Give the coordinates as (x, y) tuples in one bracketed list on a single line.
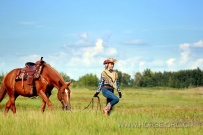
[(140, 111)]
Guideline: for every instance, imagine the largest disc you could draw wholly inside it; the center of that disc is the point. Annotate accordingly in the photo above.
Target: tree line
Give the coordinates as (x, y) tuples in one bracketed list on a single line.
[(179, 79), (147, 78)]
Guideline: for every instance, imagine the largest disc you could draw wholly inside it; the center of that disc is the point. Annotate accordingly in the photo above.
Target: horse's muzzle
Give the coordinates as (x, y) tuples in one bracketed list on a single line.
[(66, 108)]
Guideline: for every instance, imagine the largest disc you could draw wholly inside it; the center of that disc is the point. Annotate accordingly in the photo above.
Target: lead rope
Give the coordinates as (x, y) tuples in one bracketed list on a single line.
[(98, 104), (92, 102)]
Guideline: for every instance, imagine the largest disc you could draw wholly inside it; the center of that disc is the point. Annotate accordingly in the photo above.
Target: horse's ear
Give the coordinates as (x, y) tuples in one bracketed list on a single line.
[(68, 83)]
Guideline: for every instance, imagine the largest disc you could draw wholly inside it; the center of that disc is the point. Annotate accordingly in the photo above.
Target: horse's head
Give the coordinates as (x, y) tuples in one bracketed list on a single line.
[(64, 96)]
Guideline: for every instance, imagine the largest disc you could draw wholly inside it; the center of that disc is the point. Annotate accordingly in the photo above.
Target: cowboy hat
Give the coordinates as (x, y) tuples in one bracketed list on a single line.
[(110, 60)]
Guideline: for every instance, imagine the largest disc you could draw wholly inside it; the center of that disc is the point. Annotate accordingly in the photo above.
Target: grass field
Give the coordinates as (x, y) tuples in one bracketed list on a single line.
[(140, 111)]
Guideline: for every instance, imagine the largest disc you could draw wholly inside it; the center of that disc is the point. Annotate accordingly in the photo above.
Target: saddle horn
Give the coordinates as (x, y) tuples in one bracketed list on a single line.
[(41, 61)]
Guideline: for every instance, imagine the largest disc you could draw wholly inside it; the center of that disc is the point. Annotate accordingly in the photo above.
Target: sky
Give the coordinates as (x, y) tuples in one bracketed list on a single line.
[(75, 37)]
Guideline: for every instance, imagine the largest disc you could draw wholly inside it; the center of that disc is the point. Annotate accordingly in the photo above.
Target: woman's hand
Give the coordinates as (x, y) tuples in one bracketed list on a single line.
[(96, 94), (120, 94)]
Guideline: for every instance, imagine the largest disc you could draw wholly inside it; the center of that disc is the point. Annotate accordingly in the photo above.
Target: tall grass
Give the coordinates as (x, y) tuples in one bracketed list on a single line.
[(138, 112)]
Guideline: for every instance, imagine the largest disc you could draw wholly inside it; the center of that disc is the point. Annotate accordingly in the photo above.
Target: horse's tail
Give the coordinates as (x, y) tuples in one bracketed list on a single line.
[(2, 91)]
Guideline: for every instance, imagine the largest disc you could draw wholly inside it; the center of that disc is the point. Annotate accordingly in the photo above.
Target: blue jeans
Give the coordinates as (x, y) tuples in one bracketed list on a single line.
[(110, 96)]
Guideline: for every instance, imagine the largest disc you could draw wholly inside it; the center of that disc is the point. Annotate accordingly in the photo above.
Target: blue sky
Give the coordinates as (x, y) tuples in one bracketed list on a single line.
[(75, 37)]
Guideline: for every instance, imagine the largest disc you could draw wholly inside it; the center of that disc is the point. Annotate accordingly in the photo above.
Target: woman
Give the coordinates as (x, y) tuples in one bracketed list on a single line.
[(109, 82)]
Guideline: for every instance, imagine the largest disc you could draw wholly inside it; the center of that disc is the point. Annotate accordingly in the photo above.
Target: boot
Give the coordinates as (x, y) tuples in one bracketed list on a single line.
[(106, 109)]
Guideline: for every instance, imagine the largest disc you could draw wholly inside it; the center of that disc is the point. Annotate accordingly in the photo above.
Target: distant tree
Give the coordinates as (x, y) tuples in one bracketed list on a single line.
[(119, 76), (198, 76), (88, 81), (65, 76), (124, 79), (1, 77), (148, 77), (138, 79)]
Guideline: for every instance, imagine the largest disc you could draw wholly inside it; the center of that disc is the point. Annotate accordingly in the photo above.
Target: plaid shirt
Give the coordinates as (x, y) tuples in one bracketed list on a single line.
[(102, 83)]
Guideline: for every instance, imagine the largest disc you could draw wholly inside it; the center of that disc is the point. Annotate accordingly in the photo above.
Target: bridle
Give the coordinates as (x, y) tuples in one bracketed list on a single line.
[(62, 98)]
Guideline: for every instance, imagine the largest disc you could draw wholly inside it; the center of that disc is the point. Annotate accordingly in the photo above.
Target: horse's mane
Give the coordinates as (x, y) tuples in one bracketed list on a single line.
[(54, 70)]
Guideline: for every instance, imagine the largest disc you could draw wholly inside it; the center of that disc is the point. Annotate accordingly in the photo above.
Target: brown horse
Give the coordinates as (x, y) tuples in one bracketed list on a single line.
[(47, 79)]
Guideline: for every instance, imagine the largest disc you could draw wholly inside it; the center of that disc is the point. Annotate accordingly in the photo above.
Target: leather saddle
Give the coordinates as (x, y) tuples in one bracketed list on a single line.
[(30, 72)]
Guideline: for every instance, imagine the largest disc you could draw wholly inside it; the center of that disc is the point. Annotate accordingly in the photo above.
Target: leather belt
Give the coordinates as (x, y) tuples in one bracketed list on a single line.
[(108, 87)]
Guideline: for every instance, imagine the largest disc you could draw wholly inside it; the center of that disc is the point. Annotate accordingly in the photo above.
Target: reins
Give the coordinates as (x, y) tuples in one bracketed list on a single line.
[(92, 102)]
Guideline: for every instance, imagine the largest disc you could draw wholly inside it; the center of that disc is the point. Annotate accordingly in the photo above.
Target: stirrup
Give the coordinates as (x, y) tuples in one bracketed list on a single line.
[(31, 91)]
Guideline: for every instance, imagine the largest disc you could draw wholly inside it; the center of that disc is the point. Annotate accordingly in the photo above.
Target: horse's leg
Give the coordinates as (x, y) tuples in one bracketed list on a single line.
[(13, 107), (8, 106), (43, 106), (11, 104), (45, 101)]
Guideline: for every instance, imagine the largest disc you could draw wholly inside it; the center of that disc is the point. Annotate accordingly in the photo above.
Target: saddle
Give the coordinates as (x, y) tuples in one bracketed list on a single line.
[(30, 72)]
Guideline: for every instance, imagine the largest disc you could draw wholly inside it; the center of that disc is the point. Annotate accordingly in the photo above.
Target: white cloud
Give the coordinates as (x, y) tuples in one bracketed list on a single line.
[(30, 58), (185, 52), (84, 40), (170, 61), (198, 44), (151, 63), (134, 42), (188, 55), (129, 61), (156, 63), (74, 61), (197, 63), (84, 36), (111, 51), (80, 43), (55, 59), (91, 61), (129, 65), (2, 64), (89, 53), (99, 45), (141, 63)]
